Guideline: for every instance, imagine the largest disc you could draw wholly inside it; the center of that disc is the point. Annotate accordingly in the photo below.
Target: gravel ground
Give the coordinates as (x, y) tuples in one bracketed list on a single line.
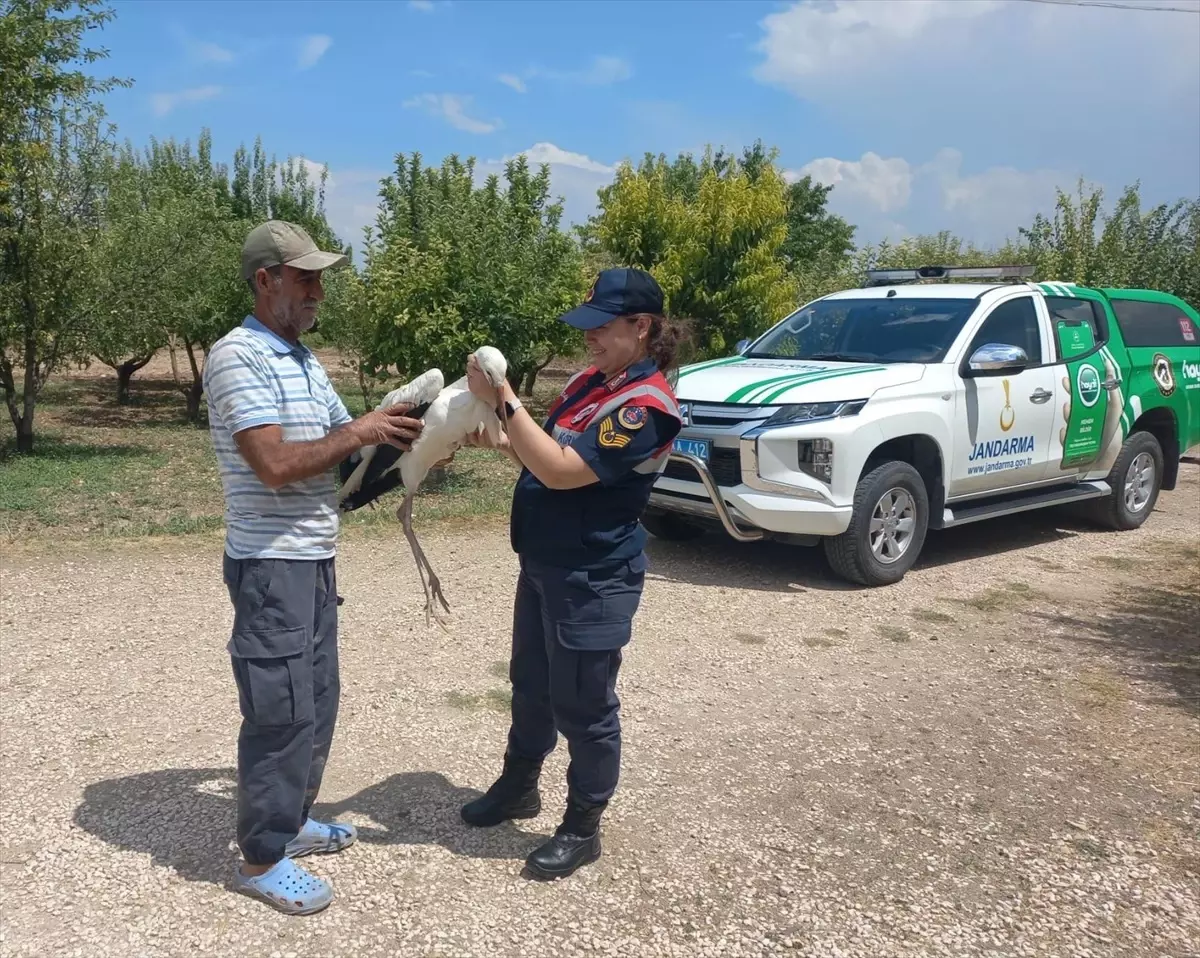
[(997, 757)]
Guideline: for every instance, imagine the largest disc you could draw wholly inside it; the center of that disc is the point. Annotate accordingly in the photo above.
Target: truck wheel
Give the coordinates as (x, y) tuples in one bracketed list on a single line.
[(1135, 478), (667, 525), (887, 528)]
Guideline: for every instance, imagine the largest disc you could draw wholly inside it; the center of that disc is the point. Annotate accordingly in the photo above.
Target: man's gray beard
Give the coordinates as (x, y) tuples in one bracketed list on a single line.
[(296, 318)]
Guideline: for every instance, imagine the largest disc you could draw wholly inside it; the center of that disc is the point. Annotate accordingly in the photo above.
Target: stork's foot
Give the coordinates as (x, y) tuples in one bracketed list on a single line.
[(431, 610), (435, 590), (434, 614)]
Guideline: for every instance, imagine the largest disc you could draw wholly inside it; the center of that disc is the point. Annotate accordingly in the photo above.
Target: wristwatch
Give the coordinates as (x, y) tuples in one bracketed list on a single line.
[(510, 407)]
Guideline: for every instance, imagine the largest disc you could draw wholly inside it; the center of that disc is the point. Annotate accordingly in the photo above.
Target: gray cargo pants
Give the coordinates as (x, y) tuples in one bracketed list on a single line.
[(285, 664)]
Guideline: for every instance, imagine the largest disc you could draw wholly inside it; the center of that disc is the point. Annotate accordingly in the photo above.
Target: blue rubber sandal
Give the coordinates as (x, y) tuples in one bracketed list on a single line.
[(320, 838), (287, 887)]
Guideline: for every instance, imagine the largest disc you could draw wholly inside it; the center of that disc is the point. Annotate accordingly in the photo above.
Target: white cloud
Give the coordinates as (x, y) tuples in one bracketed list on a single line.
[(212, 53), (601, 71), (164, 103), (541, 153), (452, 108), (575, 177), (811, 44), (892, 197), (1022, 84), (312, 49), (203, 51), (882, 184)]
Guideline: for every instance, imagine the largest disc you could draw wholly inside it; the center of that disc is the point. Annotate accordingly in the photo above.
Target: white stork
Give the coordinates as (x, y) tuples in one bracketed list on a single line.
[(453, 413)]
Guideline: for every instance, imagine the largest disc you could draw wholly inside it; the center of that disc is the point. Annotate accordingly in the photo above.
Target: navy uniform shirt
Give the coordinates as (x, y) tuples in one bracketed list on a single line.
[(597, 525)]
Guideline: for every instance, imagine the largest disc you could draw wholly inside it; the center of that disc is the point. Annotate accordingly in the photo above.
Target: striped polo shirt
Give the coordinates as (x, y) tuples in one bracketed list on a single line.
[(254, 377)]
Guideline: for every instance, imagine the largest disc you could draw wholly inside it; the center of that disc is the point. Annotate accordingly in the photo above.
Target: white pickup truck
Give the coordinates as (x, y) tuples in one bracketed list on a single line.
[(869, 416)]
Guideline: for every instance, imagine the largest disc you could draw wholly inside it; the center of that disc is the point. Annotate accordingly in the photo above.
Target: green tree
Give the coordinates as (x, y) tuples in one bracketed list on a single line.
[(160, 207), (712, 233), (1154, 249), (816, 238), (216, 207), (53, 152), (452, 266)]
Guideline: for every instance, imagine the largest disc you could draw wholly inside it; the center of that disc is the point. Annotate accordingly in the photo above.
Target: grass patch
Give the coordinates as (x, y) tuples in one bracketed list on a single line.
[(893, 633), (932, 615), (1177, 550), (495, 700), (1002, 598), (1047, 563), (749, 638), (499, 670), (818, 642), (1101, 690), (1123, 563)]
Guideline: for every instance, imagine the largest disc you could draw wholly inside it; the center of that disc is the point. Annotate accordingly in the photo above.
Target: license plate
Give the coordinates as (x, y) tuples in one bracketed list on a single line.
[(692, 447)]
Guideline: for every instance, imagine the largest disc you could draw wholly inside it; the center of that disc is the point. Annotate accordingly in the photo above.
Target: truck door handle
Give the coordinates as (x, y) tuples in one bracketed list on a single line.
[(1040, 396)]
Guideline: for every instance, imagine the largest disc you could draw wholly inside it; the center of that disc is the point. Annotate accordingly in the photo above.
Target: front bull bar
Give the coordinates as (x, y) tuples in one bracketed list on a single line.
[(714, 494)]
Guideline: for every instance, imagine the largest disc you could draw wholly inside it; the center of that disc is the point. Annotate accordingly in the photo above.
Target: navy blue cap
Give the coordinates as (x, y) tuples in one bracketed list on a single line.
[(616, 292)]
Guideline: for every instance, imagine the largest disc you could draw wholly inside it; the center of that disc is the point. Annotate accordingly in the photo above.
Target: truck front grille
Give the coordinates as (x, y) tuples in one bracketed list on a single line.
[(724, 464)]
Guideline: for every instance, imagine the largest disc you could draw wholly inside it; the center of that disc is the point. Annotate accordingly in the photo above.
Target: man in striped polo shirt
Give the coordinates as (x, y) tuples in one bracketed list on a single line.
[(279, 430)]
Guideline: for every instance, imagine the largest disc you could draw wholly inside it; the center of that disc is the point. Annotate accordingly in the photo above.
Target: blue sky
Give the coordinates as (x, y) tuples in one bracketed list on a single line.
[(924, 114)]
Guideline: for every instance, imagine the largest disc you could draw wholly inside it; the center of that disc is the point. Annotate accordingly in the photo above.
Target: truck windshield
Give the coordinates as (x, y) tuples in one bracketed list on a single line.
[(898, 330)]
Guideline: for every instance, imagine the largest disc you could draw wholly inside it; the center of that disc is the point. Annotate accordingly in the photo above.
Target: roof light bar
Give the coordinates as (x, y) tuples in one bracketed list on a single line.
[(893, 277)]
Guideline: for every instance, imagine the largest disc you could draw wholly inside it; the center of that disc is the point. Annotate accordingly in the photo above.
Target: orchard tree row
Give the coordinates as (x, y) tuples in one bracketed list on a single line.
[(113, 253)]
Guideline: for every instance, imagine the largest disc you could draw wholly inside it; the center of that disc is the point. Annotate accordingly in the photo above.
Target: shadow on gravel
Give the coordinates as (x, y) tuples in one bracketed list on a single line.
[(994, 537), (716, 559), (185, 818), (1154, 633)]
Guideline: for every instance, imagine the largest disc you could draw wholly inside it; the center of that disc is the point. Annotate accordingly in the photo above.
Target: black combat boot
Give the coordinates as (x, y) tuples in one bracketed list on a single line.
[(576, 842), (513, 795)]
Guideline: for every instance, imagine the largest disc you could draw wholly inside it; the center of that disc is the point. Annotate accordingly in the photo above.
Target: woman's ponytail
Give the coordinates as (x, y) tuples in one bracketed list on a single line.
[(665, 338)]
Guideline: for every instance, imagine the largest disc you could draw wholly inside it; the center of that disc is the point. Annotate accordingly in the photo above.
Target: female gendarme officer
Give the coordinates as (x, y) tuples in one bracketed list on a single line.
[(585, 478)]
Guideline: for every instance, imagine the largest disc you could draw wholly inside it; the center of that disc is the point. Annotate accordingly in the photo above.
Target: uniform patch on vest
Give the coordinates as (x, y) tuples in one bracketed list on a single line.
[(616, 381), (584, 412), (632, 417), (610, 438)]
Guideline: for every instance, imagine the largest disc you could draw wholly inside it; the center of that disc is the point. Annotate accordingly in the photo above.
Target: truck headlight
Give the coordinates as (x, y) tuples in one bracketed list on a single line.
[(806, 412), (815, 457)]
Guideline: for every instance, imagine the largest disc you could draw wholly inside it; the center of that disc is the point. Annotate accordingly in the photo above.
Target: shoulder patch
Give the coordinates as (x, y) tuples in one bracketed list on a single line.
[(632, 417), (609, 437)]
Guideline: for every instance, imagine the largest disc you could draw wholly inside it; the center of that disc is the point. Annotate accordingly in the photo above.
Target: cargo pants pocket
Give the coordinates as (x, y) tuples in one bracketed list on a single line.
[(272, 656), (593, 610), (277, 689)]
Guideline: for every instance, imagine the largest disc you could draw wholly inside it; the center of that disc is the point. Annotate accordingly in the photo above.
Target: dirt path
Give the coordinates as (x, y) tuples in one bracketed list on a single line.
[(1000, 756)]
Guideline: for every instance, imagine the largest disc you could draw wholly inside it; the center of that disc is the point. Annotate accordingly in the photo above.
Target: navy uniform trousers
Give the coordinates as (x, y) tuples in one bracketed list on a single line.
[(285, 663), (569, 627)]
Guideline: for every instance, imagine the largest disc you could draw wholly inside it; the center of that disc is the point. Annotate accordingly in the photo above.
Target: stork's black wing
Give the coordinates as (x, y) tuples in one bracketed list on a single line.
[(374, 483)]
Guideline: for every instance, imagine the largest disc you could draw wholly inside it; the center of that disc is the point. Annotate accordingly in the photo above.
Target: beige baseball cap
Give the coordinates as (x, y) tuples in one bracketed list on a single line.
[(277, 242)]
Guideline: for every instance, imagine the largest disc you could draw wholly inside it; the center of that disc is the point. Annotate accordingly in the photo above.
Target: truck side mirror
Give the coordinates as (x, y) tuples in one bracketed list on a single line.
[(996, 359), (742, 346)]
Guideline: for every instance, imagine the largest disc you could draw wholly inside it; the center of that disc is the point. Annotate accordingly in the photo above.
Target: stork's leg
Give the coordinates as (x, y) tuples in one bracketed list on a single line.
[(433, 589), (404, 514)]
